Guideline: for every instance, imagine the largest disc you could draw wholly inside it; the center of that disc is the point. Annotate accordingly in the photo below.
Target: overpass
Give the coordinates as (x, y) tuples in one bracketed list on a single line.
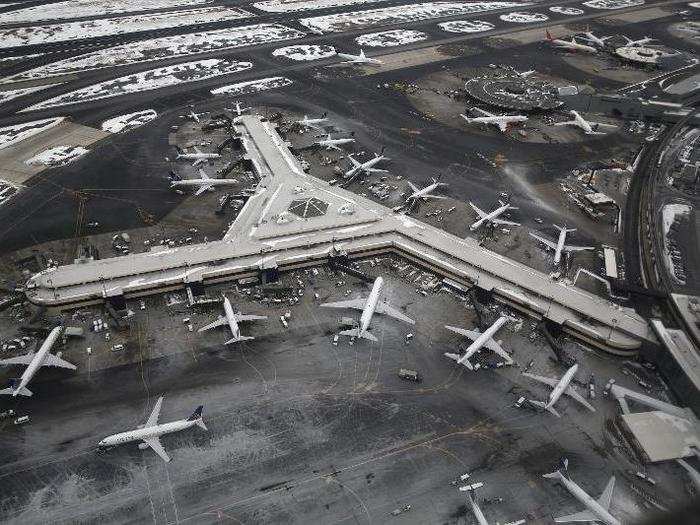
[(295, 220)]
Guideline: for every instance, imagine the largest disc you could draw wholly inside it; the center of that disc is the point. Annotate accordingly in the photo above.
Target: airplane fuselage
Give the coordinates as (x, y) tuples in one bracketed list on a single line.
[(562, 385), (364, 166), (332, 143), (202, 182), (37, 361), (198, 156), (141, 434), (573, 46), (590, 503), (371, 304), (489, 216), (480, 341), (561, 241), (420, 193), (231, 318)]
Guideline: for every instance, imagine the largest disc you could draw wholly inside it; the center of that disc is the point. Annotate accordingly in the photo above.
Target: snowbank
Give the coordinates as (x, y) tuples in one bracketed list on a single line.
[(252, 86), (523, 17), (396, 37), (124, 123), (305, 52), (18, 132), (466, 26), (58, 156)]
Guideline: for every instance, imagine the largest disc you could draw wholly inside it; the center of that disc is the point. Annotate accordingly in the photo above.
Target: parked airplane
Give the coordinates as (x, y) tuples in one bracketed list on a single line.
[(198, 156), (588, 127), (560, 246), (524, 74), (597, 510), (571, 45), (237, 109), (330, 143), (492, 216), (313, 122), (425, 193), (480, 341), (34, 362), (500, 121), (559, 387), (194, 116), (151, 431), (369, 306), (358, 59), (638, 43), (598, 41), (203, 184), (367, 166), (232, 319)]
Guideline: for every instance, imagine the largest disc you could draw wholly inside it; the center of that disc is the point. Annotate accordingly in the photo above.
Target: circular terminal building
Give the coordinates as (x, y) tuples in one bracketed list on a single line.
[(513, 92)]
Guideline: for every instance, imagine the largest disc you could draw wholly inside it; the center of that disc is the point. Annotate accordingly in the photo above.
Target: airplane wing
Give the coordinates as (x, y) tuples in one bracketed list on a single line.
[(584, 515), (221, 321), (492, 345), (358, 304), (197, 162), (203, 174), (153, 418), (197, 150), (578, 397), (549, 243), (568, 248), (431, 196), (507, 223), (412, 186), (602, 125), (484, 112), (244, 317), (355, 163), (19, 360), (376, 170), (546, 380), (606, 497), (503, 126), (154, 443), (478, 211), (52, 360), (384, 308), (202, 189), (471, 334), (567, 123)]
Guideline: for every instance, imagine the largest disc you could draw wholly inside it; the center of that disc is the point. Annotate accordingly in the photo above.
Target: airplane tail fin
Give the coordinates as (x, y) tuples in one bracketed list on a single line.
[(197, 417), (14, 392), (564, 228), (544, 406), (553, 475), (355, 332), (239, 339)]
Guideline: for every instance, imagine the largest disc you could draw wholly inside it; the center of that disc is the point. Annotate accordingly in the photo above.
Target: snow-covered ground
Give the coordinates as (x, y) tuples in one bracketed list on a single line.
[(613, 4), (124, 123), (466, 26), (398, 14), (396, 37), (668, 215), (279, 6), (84, 8), (58, 156), (18, 132), (43, 34), (523, 17), (159, 78), (17, 58), (6, 96), (305, 52), (165, 47), (569, 11), (252, 86)]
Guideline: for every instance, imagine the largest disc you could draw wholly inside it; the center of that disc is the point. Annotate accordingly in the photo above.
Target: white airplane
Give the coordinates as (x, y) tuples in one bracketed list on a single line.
[(151, 431), (34, 362), (597, 510), (424, 193), (571, 45), (238, 110), (204, 183), (598, 41), (500, 121), (330, 143), (492, 216), (313, 122), (365, 167), (193, 116), (480, 341), (559, 387), (199, 157), (560, 246), (232, 319), (640, 42), (358, 59), (369, 306), (588, 127), (524, 74)]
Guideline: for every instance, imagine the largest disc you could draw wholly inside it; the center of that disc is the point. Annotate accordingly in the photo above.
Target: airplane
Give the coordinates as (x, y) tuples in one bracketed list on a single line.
[(559, 387), (313, 122), (598, 41), (479, 342), (238, 110), (198, 156), (638, 43), (358, 59), (366, 167), (151, 431), (232, 319), (330, 143), (588, 127), (500, 121), (570, 45), (424, 193), (204, 183), (597, 510), (560, 246), (193, 116), (492, 216), (34, 362), (369, 307), (524, 74)]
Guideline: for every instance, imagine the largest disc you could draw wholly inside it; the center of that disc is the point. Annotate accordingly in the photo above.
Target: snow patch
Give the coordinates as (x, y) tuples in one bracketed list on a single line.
[(6, 96), (148, 80), (124, 123), (58, 156), (18, 132), (282, 6), (519, 17), (466, 26), (613, 4), (399, 14), (396, 37), (252, 86), (305, 52), (569, 11)]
